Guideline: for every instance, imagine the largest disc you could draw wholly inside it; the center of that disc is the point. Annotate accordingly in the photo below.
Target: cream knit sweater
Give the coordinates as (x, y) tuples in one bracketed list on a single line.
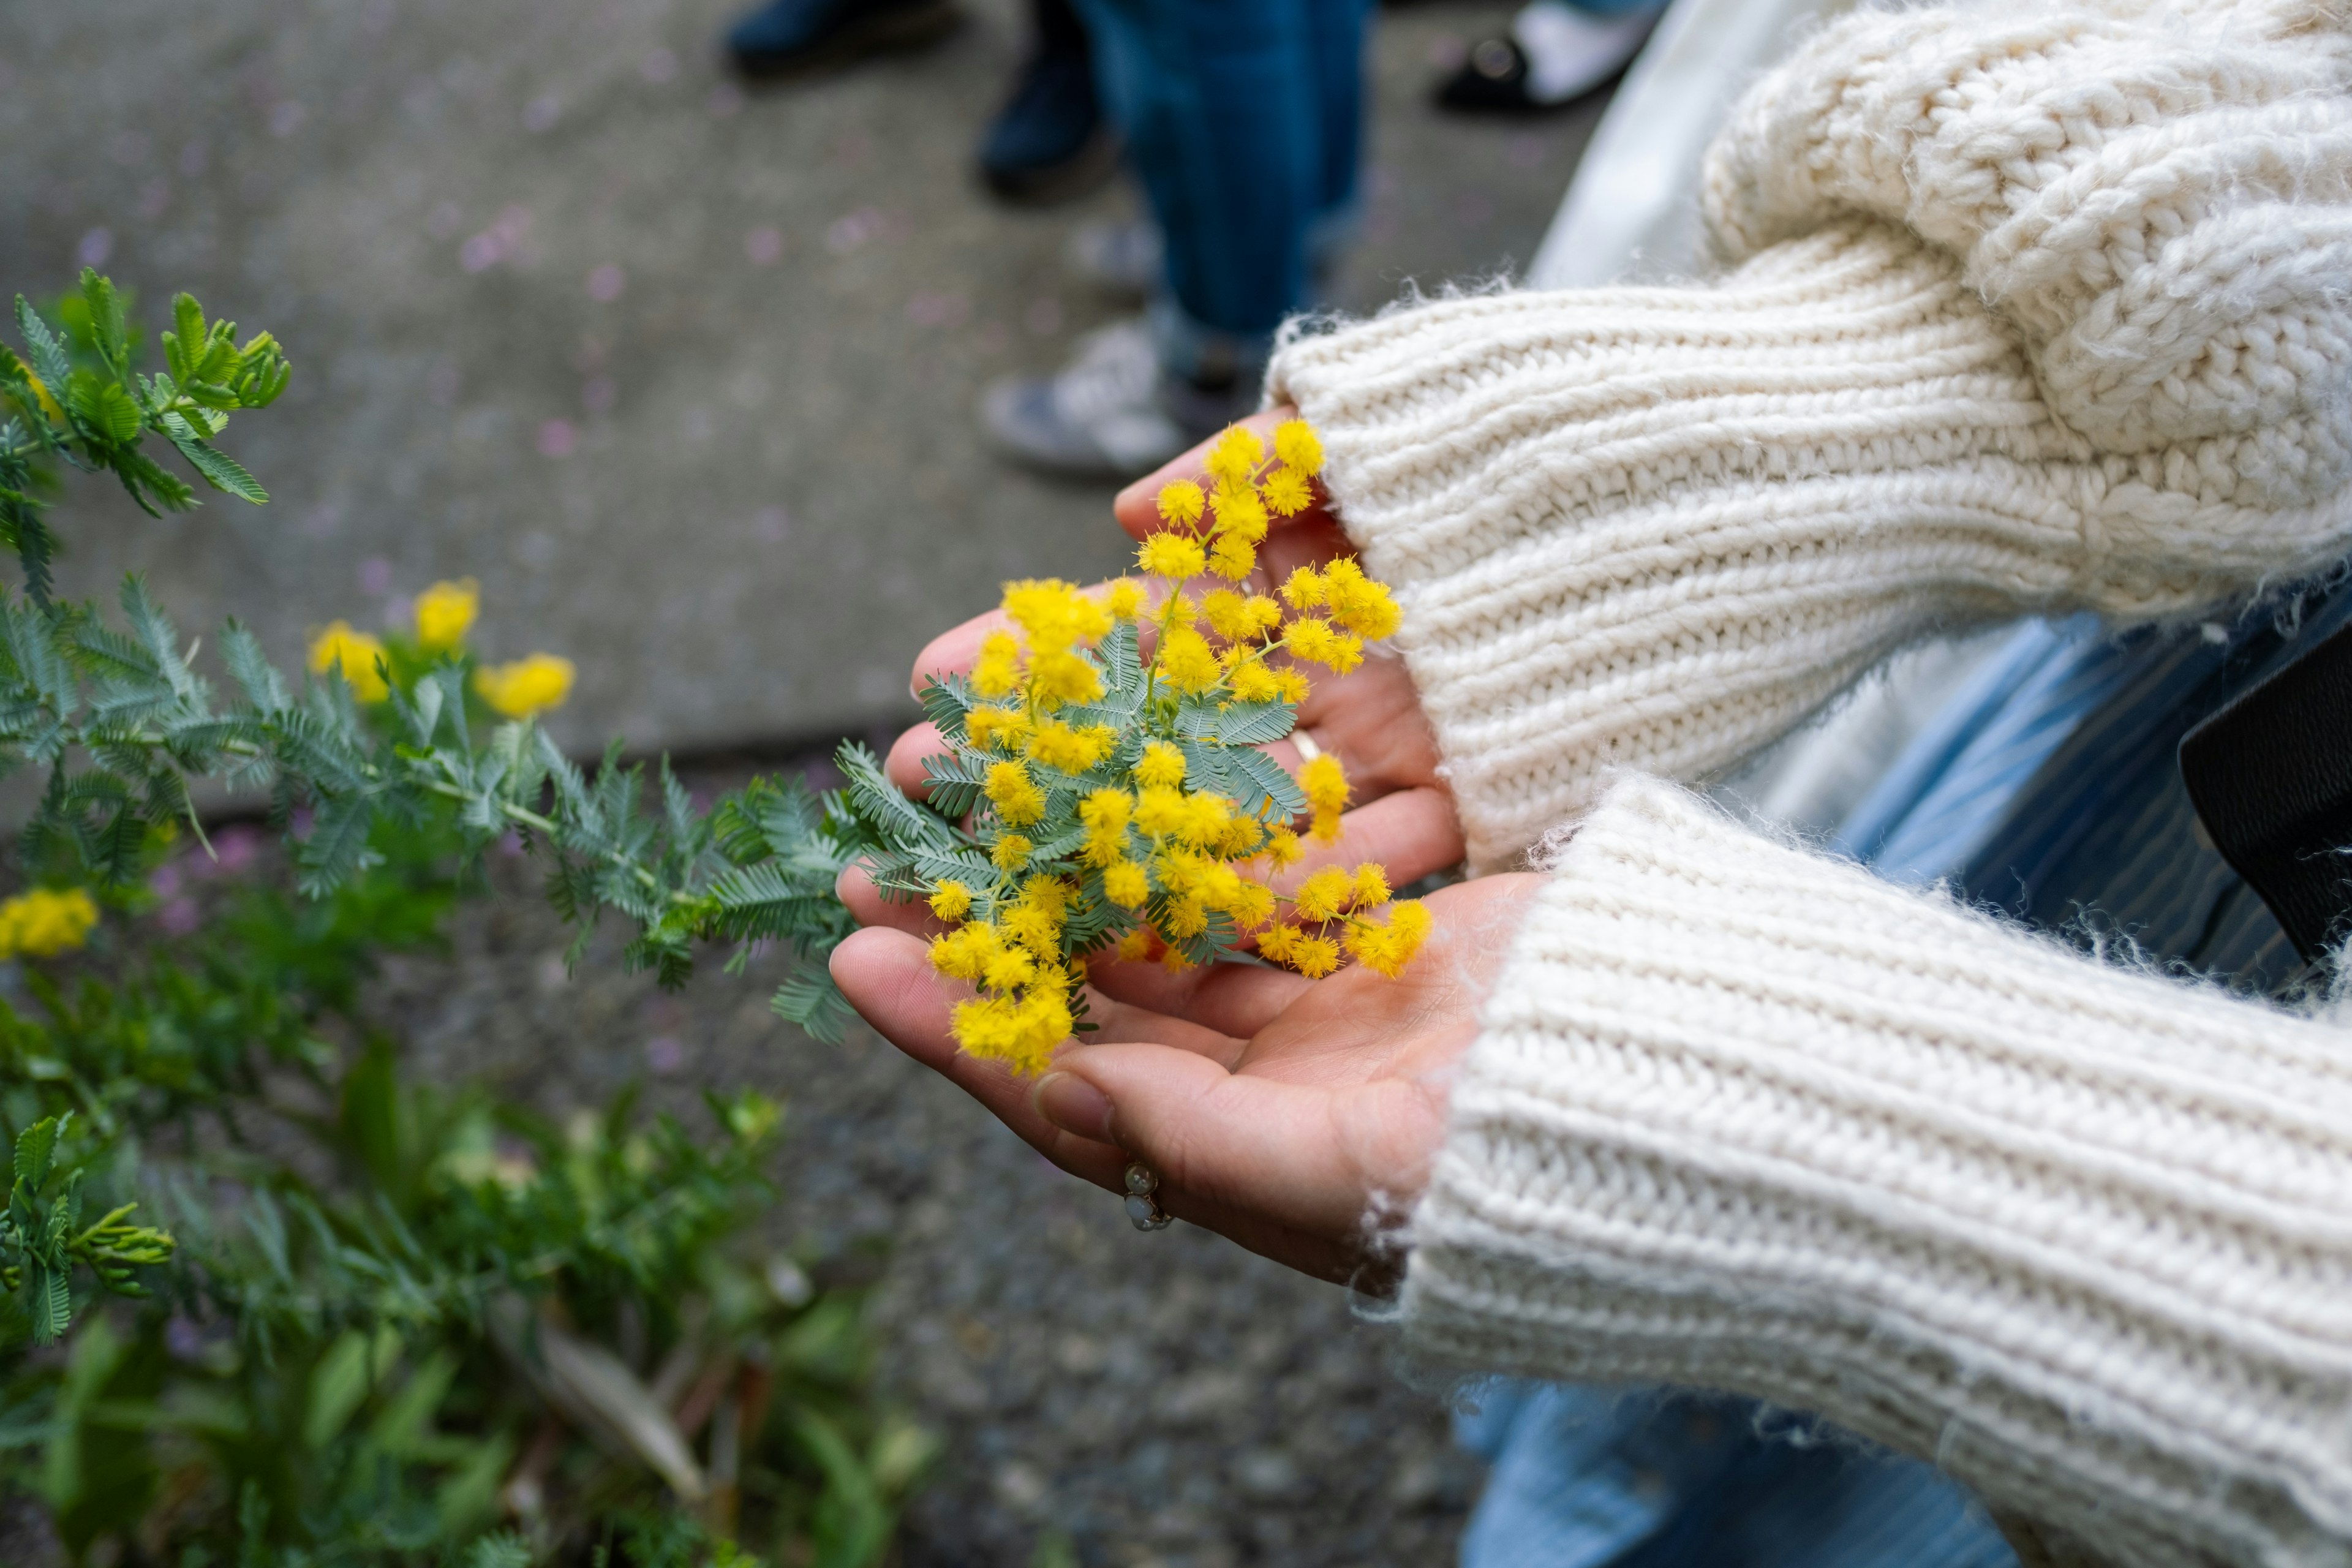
[(2033, 305)]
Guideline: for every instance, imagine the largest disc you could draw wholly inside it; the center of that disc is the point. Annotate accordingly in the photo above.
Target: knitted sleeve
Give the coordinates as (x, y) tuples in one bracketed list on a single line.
[(1744, 1117), (2035, 305)]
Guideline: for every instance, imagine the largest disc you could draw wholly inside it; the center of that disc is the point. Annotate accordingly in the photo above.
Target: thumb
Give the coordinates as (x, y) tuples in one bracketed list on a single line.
[(1305, 1157)]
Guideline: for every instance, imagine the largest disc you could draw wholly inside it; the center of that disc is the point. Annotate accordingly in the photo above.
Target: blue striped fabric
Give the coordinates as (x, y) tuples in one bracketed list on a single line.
[(2048, 788)]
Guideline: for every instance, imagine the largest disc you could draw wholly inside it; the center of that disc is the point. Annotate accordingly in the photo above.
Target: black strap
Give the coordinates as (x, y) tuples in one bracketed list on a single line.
[(2271, 777)]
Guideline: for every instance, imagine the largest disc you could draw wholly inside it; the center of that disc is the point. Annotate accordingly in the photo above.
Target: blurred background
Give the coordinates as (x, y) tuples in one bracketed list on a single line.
[(685, 372)]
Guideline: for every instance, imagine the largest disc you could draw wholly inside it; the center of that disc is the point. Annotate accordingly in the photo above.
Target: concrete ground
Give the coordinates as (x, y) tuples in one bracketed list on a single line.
[(684, 376)]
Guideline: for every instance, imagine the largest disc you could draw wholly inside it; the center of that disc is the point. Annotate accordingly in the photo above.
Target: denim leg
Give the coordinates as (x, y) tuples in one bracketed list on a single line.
[(1232, 112)]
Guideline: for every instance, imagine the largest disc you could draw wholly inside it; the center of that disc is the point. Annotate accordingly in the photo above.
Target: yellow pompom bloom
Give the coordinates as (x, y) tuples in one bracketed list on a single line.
[(1241, 837), (1180, 610), (1162, 764), (1206, 816), (1106, 810), (1037, 929), (1125, 884), (1371, 885), (1253, 682), (1296, 443), (1059, 678), (1227, 613), (1056, 745), (1135, 945), (1303, 589), (1161, 812), (963, 952), (1233, 558), (1324, 782), (997, 727), (951, 900), (1008, 971), (1020, 1033), (1325, 826), (1282, 847), (1181, 503), (1324, 896), (1311, 638), (997, 671), (445, 613), (1275, 942), (1253, 906), (1314, 956), (45, 921), (1010, 852), (1358, 603), (1286, 492), (526, 686), (1387, 949), (355, 654), (1186, 917), (1187, 662), (1054, 614), (1018, 800), (1235, 456), (1171, 555), (1127, 599), (1241, 513), (1294, 684)]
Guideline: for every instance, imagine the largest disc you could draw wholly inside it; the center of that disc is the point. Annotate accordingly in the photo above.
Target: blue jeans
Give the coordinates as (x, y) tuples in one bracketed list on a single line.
[(1244, 121)]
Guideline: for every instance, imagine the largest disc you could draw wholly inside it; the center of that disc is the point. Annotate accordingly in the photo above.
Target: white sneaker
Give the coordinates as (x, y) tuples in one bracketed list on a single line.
[(1570, 52), (1112, 412)]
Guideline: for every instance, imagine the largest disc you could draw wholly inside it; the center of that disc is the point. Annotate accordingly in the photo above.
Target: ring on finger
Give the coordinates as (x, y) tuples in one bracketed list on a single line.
[(1143, 1198)]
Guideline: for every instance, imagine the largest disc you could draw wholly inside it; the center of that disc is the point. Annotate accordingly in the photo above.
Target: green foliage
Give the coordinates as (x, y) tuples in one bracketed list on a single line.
[(389, 1324), (123, 722), (399, 1315), (42, 1237)]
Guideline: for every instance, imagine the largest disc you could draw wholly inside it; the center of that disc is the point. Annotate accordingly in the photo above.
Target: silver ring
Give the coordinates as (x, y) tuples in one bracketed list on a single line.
[(1143, 1199)]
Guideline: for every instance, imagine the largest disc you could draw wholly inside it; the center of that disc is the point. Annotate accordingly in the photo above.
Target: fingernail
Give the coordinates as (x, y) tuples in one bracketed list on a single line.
[(1073, 1105)]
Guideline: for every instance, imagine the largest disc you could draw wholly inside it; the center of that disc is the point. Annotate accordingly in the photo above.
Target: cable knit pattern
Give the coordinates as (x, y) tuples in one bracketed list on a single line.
[(2037, 307), (1744, 1117)]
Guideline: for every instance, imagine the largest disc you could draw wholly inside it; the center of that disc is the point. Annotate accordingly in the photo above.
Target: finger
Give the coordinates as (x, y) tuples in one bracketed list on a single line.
[(888, 978), (856, 888), (1137, 507), (1234, 1000), (1411, 834), (904, 765), (956, 651), (1297, 1155), (1062, 1096)]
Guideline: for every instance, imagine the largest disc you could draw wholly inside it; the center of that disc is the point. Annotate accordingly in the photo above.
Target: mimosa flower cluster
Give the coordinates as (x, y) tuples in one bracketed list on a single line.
[(1106, 754), (445, 613), (45, 921)]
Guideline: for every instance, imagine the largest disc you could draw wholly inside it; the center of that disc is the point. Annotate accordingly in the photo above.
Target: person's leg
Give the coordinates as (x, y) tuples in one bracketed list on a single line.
[(1221, 105), (1217, 101), (1051, 140)]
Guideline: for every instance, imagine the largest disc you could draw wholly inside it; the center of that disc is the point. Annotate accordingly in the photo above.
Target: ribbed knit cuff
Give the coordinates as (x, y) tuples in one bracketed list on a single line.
[(1744, 1117), (1656, 528)]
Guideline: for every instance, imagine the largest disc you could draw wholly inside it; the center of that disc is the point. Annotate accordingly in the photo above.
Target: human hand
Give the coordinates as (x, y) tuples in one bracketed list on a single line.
[(1275, 1108), (1276, 1111)]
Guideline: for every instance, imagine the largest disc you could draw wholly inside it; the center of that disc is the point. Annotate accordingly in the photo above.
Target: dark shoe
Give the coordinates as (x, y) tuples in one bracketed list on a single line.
[(788, 38), (1491, 80), (1050, 142), (1555, 56)]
